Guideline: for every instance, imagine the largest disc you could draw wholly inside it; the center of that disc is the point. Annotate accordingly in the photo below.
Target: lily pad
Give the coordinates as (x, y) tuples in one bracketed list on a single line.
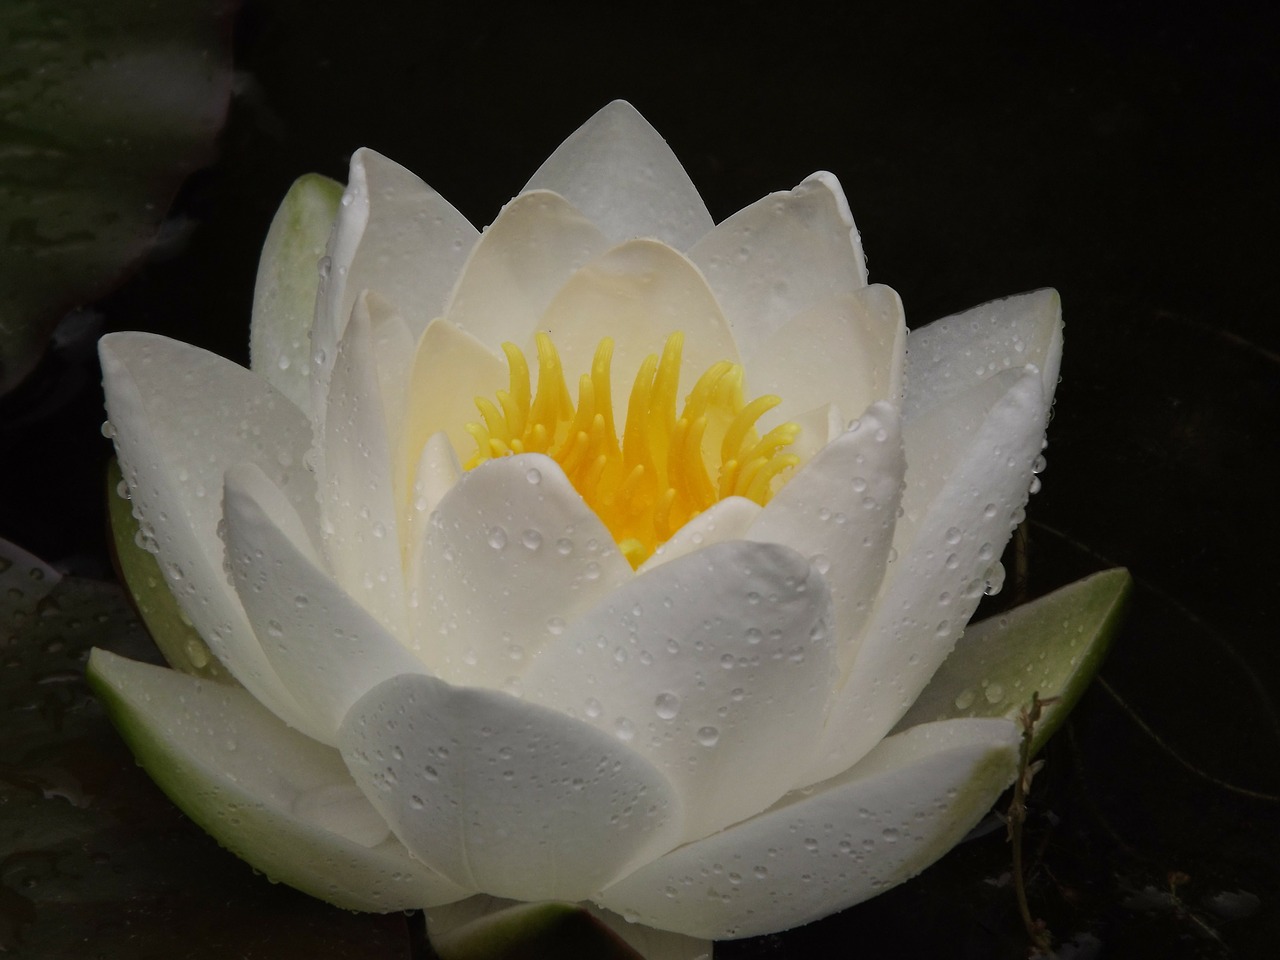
[(138, 567), (1051, 647), (106, 109)]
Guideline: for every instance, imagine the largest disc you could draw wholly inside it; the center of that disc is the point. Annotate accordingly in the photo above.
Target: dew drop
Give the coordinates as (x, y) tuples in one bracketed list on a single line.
[(666, 705), (497, 538), (708, 736), (591, 707), (531, 539), (965, 700), (994, 579), (624, 729), (533, 475), (994, 692)]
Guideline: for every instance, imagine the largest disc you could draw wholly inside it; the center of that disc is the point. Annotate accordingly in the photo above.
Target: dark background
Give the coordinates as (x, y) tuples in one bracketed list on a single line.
[(1125, 153)]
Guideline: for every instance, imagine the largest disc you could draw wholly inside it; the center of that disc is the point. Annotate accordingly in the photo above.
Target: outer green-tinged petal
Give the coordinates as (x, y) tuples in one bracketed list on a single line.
[(520, 261), (1051, 646), (182, 417), (839, 511), (490, 928), (784, 254), (847, 350), (324, 646), (648, 291), (353, 466), (716, 667), (167, 624), (511, 555), (619, 171), (506, 796), (951, 355), (828, 847), (284, 298), (980, 447), (272, 796)]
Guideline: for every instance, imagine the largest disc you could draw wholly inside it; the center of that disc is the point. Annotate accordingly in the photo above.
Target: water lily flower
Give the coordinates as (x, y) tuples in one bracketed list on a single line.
[(596, 556)]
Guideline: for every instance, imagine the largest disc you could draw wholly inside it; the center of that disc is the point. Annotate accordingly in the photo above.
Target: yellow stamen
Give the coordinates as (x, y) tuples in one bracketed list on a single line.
[(667, 467)]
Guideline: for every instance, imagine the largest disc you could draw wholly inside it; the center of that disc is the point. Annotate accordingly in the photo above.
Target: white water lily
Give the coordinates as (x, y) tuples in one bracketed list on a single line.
[(555, 645)]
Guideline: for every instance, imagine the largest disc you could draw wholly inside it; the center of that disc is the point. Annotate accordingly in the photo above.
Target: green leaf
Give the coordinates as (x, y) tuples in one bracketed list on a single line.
[(106, 108), (1051, 646), (169, 626)]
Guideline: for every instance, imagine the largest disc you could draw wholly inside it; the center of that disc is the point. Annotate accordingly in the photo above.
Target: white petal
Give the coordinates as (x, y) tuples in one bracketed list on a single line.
[(182, 416), (353, 467), (326, 648), (847, 350), (522, 259), (511, 556), (393, 347), (818, 427), (821, 850), (839, 511), (396, 236), (715, 666), (638, 293), (284, 297), (727, 519), (450, 369), (619, 171), (953, 354), (268, 794), (981, 445), (509, 798), (784, 254), (438, 470)]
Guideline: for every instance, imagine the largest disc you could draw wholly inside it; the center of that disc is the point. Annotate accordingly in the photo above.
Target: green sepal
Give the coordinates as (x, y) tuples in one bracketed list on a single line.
[(532, 931), (1051, 647)]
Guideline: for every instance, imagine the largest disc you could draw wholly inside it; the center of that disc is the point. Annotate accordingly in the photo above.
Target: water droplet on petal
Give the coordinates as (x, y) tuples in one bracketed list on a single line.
[(666, 705)]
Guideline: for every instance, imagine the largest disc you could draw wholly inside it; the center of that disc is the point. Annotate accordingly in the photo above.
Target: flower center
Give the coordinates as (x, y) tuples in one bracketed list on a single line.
[(666, 468)]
